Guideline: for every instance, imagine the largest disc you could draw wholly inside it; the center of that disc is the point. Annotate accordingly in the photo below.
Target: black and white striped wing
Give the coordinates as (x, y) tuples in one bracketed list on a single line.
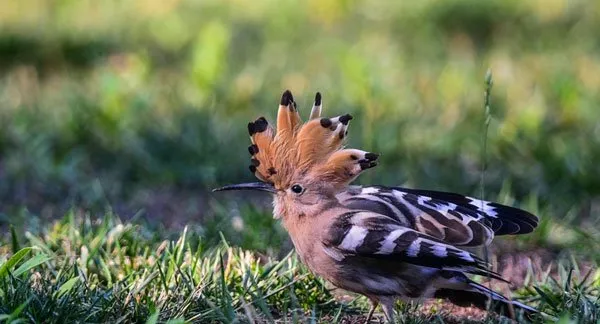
[(375, 236), (502, 219), (452, 218)]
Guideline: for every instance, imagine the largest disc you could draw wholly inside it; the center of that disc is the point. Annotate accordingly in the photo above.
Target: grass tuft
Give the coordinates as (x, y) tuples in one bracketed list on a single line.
[(107, 271), (81, 269)]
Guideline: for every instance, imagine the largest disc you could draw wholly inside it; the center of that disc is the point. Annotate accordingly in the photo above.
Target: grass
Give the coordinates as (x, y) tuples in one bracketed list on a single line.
[(81, 269), (106, 271)]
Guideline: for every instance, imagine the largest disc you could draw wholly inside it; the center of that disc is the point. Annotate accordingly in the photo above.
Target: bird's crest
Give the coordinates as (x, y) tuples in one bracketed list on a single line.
[(311, 150)]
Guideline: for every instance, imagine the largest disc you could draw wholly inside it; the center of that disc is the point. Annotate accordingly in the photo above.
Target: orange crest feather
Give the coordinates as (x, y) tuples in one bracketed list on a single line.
[(313, 149)]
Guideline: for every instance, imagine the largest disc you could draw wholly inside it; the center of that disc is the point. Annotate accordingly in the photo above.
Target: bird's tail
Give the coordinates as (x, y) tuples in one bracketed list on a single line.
[(478, 296)]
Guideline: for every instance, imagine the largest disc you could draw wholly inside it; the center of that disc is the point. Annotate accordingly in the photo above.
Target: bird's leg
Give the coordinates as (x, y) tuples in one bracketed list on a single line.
[(374, 304), (388, 308)]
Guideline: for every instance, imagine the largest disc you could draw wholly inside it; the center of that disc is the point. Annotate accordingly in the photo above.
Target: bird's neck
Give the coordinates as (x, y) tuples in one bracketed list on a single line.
[(305, 222)]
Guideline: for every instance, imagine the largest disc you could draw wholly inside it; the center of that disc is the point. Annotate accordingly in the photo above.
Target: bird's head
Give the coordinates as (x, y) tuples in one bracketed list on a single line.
[(302, 164)]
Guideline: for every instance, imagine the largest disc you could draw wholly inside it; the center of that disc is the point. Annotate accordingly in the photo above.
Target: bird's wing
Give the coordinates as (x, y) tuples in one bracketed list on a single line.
[(501, 219), (375, 236), (451, 218)]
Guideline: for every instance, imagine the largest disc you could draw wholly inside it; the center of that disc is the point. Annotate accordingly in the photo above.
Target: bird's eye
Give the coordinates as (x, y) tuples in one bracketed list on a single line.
[(297, 188)]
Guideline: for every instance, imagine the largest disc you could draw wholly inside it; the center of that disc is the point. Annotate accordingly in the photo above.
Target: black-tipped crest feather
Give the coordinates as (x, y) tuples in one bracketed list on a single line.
[(287, 98)]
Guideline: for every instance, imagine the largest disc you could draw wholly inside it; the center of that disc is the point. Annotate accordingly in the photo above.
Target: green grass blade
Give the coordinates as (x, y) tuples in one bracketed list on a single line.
[(14, 239), (31, 263), (13, 318), (13, 261), (67, 286)]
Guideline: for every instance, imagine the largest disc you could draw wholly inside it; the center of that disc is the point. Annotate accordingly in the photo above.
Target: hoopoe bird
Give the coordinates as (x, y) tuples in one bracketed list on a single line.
[(386, 243)]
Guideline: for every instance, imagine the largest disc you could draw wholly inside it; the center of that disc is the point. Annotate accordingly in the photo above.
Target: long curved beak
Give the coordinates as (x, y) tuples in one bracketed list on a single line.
[(260, 186)]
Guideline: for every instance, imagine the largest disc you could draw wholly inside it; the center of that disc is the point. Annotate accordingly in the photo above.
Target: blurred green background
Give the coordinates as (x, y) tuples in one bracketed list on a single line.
[(143, 105)]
